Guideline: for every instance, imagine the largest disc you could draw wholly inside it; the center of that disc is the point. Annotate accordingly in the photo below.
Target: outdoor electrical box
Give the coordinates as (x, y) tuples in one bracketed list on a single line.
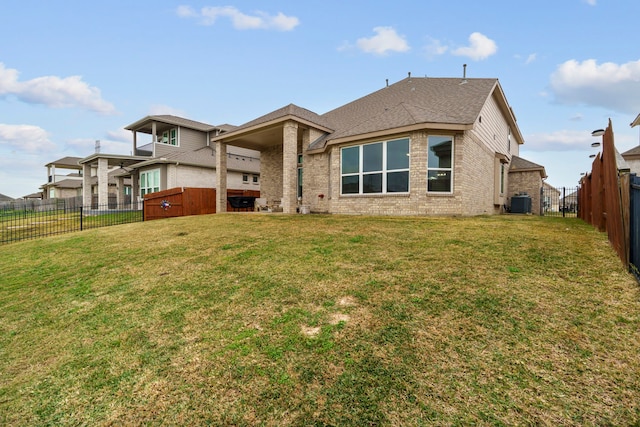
[(521, 204)]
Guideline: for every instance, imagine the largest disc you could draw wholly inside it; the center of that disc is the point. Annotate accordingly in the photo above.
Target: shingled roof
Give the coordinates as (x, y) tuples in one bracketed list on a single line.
[(287, 111), (412, 101), (518, 164)]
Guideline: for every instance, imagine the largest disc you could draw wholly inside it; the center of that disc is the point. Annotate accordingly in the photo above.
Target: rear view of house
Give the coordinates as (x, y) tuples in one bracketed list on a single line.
[(421, 146)]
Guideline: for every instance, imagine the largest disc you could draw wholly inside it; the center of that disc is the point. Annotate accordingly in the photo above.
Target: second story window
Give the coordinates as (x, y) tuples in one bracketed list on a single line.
[(169, 137)]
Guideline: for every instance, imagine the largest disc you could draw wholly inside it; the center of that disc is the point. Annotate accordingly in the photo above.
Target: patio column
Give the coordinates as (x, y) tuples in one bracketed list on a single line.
[(221, 177), (86, 186), (135, 191), (120, 191), (289, 167), (103, 183)]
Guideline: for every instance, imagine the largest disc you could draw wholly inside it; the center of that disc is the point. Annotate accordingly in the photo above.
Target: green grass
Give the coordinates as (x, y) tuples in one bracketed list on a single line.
[(252, 319)]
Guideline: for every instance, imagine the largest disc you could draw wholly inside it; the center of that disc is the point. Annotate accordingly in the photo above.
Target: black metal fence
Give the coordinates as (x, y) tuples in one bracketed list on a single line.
[(561, 201), (57, 217)]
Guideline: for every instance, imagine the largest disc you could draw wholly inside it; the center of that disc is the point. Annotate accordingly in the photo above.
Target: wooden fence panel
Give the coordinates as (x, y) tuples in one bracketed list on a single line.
[(186, 201), (602, 194)]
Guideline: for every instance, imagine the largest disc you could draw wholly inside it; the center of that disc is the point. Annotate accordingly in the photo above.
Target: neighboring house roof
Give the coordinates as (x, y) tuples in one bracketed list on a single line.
[(66, 162), (65, 183), (550, 187), (633, 153), (4, 198), (33, 196), (144, 125), (205, 157), (518, 164), (636, 122)]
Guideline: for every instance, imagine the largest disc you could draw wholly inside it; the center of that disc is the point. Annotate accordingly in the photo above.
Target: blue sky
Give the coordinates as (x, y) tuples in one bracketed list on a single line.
[(74, 72)]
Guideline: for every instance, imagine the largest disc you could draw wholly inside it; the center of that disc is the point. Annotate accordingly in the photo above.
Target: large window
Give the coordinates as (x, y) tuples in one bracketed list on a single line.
[(149, 181), (376, 168), (440, 164)]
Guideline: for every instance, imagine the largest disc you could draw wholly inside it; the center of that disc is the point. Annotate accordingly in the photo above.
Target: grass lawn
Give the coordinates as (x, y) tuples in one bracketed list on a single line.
[(252, 319)]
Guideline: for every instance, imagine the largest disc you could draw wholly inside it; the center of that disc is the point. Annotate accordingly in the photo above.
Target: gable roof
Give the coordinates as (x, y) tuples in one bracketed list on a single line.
[(632, 153), (4, 198), (518, 164), (282, 114), (412, 101)]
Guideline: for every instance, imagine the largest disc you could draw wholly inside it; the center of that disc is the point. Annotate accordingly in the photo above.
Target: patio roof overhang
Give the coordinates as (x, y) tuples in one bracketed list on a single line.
[(265, 135), (113, 159)]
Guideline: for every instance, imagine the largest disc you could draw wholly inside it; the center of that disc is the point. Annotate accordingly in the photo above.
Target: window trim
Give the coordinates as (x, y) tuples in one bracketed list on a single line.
[(450, 169), (384, 171), (147, 173)]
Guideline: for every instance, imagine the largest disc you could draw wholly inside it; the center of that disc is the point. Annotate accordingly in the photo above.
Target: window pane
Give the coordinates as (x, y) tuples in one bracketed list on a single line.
[(372, 157), (372, 183), (143, 180), (440, 152), (350, 184), (351, 160), (439, 181), (397, 182), (398, 154)]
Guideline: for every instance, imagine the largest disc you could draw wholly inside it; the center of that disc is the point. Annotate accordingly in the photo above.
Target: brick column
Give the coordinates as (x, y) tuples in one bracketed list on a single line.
[(103, 183), (289, 167), (221, 177), (120, 191), (86, 186)]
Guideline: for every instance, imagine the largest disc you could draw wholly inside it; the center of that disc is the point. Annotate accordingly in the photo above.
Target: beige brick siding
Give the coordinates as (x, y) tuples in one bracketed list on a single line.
[(473, 180), (528, 182), (271, 173)]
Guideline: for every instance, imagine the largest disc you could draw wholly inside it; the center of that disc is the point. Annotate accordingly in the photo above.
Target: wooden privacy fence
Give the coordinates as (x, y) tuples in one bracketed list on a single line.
[(183, 201), (604, 197)]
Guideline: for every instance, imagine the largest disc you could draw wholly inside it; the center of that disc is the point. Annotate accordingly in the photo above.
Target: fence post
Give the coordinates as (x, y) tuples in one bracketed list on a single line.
[(81, 216)]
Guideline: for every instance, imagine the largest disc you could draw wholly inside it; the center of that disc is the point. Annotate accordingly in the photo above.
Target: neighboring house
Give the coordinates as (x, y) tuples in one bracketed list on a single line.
[(176, 153), (4, 198), (632, 156), (421, 146), (33, 196), (64, 179), (526, 177), (550, 198)]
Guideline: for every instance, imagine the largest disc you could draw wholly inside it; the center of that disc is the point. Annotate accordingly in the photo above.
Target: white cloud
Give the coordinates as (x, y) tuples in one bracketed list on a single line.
[(157, 109), (561, 140), (480, 47), (54, 91), (531, 58), (29, 138), (607, 85), (435, 47), (386, 40), (240, 21), (590, 2)]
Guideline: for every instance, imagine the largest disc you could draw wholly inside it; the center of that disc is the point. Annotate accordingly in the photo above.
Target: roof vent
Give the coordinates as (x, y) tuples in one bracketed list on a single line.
[(464, 74), (387, 82)]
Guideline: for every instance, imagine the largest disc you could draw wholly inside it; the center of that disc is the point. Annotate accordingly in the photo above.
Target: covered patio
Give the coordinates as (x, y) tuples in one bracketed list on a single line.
[(281, 137)]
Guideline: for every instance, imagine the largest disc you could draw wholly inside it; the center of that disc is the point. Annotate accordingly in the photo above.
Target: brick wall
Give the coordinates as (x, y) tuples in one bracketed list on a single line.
[(527, 182)]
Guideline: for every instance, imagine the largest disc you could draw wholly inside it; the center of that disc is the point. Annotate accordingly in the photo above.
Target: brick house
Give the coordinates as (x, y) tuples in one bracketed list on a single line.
[(421, 146)]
